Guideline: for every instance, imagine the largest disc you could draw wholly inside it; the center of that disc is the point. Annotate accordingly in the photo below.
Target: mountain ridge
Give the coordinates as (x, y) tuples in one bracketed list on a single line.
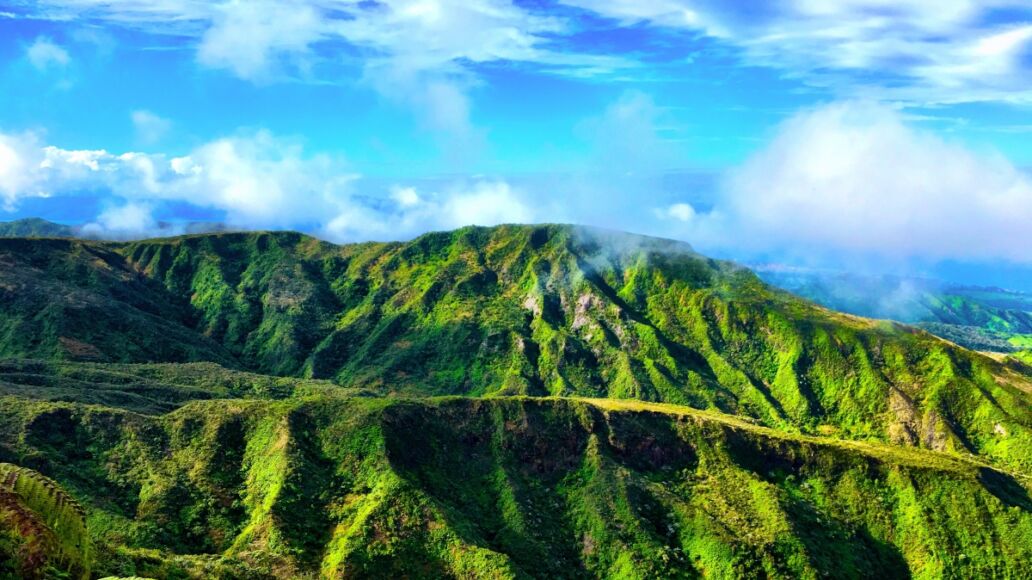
[(517, 401), (538, 310)]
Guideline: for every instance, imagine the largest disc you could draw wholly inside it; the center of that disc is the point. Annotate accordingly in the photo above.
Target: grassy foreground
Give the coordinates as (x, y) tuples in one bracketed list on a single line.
[(334, 486)]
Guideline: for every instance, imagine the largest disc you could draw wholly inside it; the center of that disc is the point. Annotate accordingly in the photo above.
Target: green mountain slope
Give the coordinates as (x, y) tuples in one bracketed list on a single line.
[(69, 299), (36, 228), (269, 405), (511, 488), (547, 310)]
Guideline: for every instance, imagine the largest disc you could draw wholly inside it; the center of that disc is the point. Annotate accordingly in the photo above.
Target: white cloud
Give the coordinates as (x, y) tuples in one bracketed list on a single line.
[(681, 211), (43, 53), (256, 180), (487, 203), (854, 178), (150, 128), (249, 37), (130, 219), (941, 51), (416, 52), (918, 50), (259, 180), (405, 196), (20, 156), (845, 178), (483, 202)]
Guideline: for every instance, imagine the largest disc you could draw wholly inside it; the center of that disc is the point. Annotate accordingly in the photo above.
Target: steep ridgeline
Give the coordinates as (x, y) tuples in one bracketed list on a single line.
[(533, 310), (502, 488)]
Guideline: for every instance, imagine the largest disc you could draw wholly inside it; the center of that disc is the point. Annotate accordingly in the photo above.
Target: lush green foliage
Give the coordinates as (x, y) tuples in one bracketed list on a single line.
[(42, 529), (548, 310), (265, 404), (511, 488)]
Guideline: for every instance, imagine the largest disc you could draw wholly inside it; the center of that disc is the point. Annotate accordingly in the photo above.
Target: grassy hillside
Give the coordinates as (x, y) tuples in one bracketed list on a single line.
[(499, 488), (266, 404), (547, 310), (69, 299), (148, 389)]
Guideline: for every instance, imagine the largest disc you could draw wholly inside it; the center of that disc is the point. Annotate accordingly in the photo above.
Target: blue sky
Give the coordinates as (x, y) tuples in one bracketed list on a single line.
[(853, 132)]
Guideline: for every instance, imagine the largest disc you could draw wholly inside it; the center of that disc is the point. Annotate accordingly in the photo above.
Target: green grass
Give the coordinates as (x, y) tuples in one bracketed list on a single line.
[(513, 487), (532, 310), (519, 401)]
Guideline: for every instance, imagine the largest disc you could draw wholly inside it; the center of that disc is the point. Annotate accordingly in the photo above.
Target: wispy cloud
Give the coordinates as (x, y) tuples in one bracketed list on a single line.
[(252, 38), (915, 50), (150, 128), (44, 54)]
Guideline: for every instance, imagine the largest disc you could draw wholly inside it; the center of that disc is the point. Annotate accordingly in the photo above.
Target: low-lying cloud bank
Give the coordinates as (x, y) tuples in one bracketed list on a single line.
[(255, 181), (848, 178), (855, 178)]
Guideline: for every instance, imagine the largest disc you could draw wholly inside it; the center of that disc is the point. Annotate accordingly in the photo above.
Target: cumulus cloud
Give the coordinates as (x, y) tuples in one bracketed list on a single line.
[(129, 220), (44, 54), (150, 128), (20, 156), (482, 202), (854, 178), (485, 204), (255, 180)]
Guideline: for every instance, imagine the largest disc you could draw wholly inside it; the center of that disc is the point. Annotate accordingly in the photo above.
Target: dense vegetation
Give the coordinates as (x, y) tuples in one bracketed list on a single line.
[(520, 401)]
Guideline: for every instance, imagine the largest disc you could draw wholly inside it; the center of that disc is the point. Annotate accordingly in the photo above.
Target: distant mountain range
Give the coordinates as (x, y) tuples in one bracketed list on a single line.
[(41, 228), (36, 228), (981, 318)]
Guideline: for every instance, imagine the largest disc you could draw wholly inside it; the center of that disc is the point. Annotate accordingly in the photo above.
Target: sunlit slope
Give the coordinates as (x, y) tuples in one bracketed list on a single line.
[(496, 488), (533, 310)]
